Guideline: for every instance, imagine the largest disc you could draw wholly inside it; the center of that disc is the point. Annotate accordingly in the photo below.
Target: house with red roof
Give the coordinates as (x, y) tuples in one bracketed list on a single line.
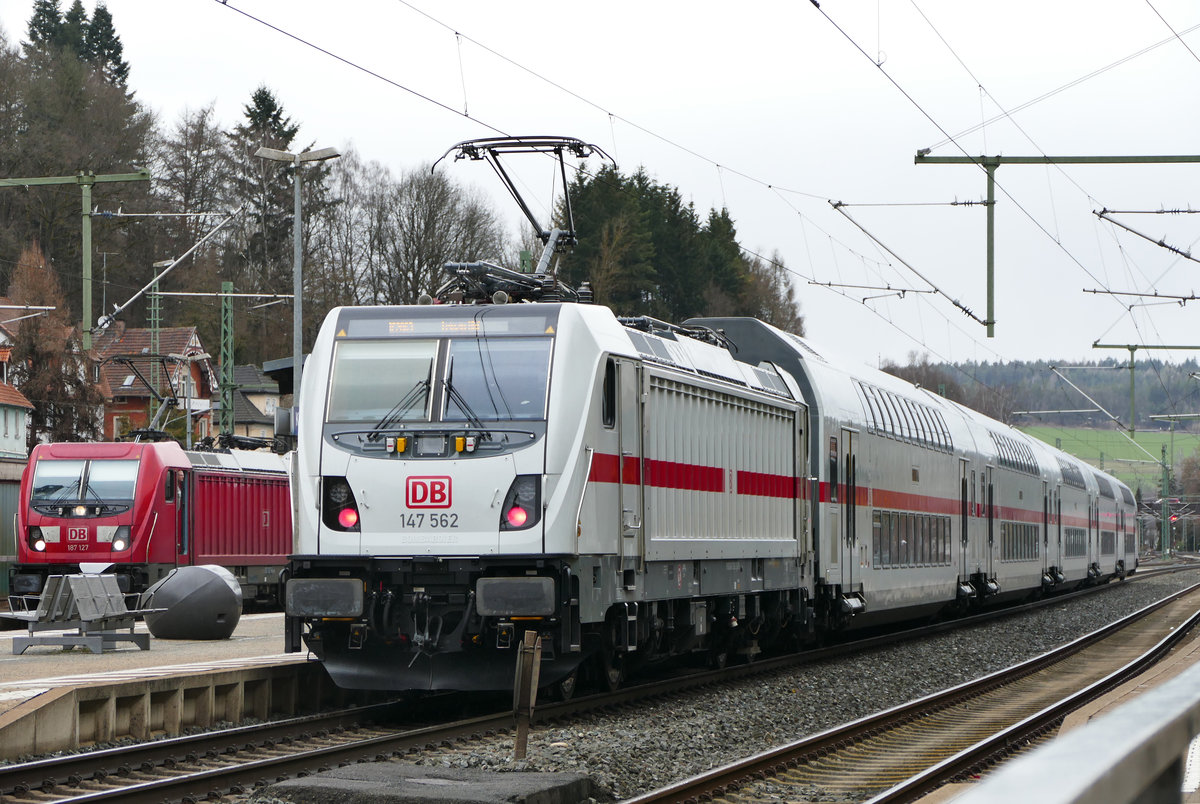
[(14, 406)]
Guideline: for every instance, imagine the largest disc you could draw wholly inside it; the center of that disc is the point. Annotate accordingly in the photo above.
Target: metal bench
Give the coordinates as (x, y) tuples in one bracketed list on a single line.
[(93, 605)]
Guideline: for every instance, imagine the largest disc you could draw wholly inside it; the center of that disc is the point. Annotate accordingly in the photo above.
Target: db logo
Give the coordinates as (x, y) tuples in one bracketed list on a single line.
[(427, 492), (77, 534)]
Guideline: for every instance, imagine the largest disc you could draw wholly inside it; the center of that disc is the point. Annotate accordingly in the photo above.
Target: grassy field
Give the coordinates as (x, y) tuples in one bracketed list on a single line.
[(1113, 452)]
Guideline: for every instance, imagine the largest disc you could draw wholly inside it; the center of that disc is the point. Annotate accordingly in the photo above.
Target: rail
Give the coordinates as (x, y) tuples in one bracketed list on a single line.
[(1144, 745)]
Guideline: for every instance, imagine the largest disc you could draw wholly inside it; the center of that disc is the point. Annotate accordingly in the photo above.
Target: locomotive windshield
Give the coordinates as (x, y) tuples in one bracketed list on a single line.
[(497, 379), (477, 380), (55, 481), (375, 381)]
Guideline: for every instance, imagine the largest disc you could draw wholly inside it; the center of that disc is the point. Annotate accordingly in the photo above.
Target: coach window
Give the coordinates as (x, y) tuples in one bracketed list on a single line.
[(945, 431), (833, 470), (876, 540), (169, 487), (918, 423), (873, 408), (897, 422), (608, 414), (889, 418), (910, 419)]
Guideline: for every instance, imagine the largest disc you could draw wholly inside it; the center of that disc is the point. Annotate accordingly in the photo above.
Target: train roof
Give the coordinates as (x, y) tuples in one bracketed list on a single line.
[(240, 461), (170, 452), (881, 402)]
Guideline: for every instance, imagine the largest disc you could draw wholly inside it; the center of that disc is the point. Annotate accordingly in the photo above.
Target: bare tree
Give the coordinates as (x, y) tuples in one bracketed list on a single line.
[(47, 364), (437, 222)]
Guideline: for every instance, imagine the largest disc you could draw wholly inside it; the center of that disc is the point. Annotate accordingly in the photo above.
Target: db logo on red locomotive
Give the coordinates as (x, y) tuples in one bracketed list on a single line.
[(77, 534), (427, 492)]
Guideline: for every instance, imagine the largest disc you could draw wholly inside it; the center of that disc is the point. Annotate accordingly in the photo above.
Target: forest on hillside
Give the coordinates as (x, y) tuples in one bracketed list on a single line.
[(1031, 392)]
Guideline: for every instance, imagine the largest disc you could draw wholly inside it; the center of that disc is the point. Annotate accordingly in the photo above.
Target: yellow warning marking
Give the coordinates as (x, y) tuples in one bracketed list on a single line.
[(341, 333), (550, 330)]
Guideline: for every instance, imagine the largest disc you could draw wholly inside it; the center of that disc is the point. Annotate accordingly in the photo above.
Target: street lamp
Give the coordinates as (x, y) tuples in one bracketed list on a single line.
[(298, 306), (188, 360)]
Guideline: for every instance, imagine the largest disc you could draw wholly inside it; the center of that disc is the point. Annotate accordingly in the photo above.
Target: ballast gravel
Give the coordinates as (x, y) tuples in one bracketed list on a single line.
[(627, 753)]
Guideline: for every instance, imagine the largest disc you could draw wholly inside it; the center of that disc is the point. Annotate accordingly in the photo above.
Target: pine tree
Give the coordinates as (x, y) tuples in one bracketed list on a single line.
[(45, 27), (260, 257), (74, 32), (103, 47)]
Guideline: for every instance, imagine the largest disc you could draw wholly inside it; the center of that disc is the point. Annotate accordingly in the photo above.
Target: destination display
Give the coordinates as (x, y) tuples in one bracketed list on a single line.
[(400, 322)]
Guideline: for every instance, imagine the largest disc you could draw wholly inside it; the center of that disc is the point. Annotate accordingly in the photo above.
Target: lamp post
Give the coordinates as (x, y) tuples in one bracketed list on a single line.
[(298, 305), (188, 360)]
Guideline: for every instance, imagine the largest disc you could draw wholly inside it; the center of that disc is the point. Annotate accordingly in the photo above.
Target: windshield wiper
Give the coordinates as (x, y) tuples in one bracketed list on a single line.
[(461, 401), (397, 411)]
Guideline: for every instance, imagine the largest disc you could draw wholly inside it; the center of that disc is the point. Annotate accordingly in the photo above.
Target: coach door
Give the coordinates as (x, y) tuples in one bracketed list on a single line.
[(849, 493), (629, 444), (964, 518), (1093, 540), (990, 503), (1045, 526)]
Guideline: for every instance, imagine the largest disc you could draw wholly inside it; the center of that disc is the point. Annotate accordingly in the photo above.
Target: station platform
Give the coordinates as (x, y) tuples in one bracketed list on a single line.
[(55, 699)]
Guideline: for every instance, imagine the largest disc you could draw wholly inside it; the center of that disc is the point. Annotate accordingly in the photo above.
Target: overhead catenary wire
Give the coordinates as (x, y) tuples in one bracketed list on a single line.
[(838, 206), (1104, 214), (773, 186)]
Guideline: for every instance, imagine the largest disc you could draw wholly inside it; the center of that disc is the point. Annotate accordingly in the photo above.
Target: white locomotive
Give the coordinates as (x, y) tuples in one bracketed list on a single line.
[(633, 491)]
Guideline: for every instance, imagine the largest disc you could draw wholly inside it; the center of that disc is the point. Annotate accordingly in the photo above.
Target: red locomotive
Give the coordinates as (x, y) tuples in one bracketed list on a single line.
[(145, 508)]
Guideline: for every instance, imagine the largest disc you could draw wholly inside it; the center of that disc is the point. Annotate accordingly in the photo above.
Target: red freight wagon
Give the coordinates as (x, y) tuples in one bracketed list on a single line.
[(145, 508)]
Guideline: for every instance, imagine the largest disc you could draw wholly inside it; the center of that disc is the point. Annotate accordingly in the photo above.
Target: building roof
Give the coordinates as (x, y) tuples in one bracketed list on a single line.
[(245, 412), (251, 379), (13, 398)]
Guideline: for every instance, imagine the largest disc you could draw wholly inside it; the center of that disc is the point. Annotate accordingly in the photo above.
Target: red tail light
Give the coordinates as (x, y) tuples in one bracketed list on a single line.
[(339, 509), (522, 505), (516, 517), (347, 518)]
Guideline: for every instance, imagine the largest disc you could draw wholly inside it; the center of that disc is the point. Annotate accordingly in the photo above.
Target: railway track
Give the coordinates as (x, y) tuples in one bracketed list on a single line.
[(905, 752), (239, 760)]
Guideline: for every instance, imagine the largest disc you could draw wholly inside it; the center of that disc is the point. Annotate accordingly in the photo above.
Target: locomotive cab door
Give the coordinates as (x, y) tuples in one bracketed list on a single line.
[(629, 444), (183, 530)]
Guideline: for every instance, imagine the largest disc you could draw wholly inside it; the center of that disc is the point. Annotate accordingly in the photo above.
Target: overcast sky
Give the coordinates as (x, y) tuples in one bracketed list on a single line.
[(773, 112)]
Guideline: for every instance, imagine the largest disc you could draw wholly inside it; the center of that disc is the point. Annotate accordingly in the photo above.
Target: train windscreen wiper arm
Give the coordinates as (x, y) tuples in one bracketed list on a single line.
[(397, 411)]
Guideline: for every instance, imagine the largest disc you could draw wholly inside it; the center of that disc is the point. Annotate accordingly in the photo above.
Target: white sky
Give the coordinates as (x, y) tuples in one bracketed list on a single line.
[(794, 114)]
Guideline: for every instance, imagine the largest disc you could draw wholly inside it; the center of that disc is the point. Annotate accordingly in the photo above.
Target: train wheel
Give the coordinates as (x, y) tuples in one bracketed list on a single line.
[(612, 669), (564, 689), (718, 658)]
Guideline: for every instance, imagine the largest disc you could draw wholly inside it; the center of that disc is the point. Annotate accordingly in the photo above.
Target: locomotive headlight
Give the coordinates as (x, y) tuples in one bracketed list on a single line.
[(80, 510), (36, 541), (338, 492), (121, 539)]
